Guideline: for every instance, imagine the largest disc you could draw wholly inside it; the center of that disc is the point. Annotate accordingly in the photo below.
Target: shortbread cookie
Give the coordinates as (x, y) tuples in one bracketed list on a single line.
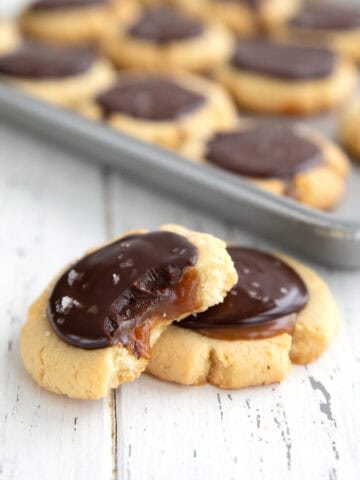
[(93, 327), (279, 311), (333, 24), (291, 79), (9, 37), (74, 22), (64, 76), (165, 39), (293, 161), (350, 128), (243, 17), (166, 110)]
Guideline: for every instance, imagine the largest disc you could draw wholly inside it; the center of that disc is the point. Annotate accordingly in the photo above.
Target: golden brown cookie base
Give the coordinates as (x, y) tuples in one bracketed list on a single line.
[(79, 26), (271, 95), (68, 92), (90, 374), (218, 112), (199, 54), (187, 357), (9, 36)]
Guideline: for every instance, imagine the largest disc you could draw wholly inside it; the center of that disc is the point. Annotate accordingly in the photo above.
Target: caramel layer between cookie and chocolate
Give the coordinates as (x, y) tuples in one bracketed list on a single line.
[(262, 304), (115, 294), (289, 61), (164, 25), (265, 151), (152, 98), (40, 61)]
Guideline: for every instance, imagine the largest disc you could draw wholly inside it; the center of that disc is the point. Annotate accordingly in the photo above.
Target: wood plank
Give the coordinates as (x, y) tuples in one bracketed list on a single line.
[(306, 427), (51, 209)]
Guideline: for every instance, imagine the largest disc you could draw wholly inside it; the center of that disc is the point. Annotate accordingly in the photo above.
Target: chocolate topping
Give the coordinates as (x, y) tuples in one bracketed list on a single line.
[(262, 303), (328, 16), (62, 4), (164, 25), (268, 151), (110, 296), (151, 98), (293, 62), (32, 60)]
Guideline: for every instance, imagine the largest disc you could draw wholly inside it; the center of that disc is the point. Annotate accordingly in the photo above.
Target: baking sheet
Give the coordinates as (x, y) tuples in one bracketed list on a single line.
[(332, 238)]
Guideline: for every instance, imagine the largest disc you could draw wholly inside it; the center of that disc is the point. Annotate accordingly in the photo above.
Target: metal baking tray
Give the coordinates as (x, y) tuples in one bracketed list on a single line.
[(331, 238)]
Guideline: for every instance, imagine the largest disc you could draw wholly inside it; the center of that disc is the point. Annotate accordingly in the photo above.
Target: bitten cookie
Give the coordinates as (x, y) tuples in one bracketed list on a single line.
[(244, 17), (350, 128), (163, 109), (166, 39), (279, 311), (93, 327), (9, 37), (290, 79), (74, 22), (333, 24), (293, 161), (63, 76)]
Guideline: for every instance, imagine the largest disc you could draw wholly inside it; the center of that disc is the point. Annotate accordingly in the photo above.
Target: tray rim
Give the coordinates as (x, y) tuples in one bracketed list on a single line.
[(70, 126)]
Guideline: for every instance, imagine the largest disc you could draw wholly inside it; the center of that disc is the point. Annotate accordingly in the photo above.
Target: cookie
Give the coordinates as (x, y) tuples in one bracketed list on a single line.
[(74, 22), (63, 76), (9, 36), (278, 78), (350, 128), (244, 17), (333, 24), (292, 161), (93, 327), (163, 109), (279, 312), (166, 39)]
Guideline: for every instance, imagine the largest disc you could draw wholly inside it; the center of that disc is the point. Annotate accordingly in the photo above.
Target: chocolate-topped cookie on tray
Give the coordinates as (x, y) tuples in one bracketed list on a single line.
[(61, 75), (289, 160), (74, 22), (334, 24), (164, 38), (271, 77), (163, 109)]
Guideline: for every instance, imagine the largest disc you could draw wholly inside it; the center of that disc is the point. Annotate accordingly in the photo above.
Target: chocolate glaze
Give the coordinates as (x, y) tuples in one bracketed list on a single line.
[(151, 98), (293, 62), (327, 16), (262, 303), (267, 151), (64, 4), (108, 296), (164, 25), (32, 60)]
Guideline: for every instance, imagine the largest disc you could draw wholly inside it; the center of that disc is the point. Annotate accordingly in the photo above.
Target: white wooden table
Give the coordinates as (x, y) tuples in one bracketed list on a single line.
[(54, 205)]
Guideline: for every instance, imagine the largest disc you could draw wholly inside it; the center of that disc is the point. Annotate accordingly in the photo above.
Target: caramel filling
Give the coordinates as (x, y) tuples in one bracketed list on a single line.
[(266, 330)]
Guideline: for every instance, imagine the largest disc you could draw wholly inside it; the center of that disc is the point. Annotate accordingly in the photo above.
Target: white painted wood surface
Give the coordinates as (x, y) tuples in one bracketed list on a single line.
[(52, 207)]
